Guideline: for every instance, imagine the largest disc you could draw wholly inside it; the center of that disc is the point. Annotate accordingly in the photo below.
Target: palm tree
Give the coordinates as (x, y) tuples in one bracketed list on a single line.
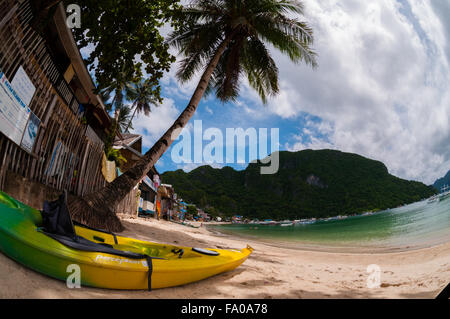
[(117, 88), (142, 95), (124, 119), (121, 110), (225, 40)]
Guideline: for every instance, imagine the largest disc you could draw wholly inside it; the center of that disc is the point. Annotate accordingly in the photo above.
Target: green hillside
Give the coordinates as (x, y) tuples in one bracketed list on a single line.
[(308, 184)]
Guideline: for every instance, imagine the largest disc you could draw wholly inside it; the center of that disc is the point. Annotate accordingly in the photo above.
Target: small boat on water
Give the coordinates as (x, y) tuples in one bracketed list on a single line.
[(49, 242), (286, 223), (304, 221), (268, 222), (433, 199), (445, 193)]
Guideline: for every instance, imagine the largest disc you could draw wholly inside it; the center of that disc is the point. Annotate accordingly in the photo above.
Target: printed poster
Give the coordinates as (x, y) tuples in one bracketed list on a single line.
[(29, 136), (14, 112), (22, 84)]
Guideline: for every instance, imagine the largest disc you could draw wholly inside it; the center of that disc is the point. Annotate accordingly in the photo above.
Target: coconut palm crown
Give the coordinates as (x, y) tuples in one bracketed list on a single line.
[(248, 25), (141, 93)]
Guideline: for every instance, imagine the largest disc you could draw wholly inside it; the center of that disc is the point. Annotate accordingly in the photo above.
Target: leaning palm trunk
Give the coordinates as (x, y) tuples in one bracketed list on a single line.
[(97, 209)]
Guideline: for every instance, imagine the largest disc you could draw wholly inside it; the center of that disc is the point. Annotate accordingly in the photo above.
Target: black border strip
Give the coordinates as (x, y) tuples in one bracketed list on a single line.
[(445, 293)]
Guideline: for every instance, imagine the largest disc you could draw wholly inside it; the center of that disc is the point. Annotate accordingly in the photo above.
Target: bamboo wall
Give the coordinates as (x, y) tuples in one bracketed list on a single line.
[(66, 154)]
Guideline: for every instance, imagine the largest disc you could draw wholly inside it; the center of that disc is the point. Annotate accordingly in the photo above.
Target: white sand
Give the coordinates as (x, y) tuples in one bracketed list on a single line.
[(270, 272)]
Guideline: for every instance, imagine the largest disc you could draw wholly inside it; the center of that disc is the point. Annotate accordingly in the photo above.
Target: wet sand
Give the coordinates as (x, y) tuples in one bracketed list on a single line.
[(358, 248)]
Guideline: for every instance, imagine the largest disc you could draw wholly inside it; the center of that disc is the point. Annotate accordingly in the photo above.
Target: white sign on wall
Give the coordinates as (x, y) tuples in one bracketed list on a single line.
[(17, 121), (22, 84), (150, 183), (14, 112)]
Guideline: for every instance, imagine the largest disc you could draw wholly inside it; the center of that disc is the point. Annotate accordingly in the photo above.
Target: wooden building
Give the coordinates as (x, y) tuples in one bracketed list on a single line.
[(145, 193), (52, 125), (166, 194)]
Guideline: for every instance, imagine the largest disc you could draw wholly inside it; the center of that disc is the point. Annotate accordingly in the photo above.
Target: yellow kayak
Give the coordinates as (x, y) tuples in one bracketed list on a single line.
[(106, 260)]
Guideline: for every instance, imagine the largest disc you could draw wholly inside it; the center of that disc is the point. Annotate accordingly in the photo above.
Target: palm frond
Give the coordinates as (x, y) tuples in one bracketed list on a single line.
[(292, 38), (228, 72), (260, 68), (124, 118), (252, 24)]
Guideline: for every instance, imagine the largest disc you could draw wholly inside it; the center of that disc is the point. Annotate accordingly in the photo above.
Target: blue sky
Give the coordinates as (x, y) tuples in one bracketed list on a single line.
[(244, 113), (381, 90)]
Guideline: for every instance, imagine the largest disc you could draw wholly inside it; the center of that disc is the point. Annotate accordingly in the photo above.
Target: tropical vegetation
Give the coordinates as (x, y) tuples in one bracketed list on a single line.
[(309, 183), (142, 96)]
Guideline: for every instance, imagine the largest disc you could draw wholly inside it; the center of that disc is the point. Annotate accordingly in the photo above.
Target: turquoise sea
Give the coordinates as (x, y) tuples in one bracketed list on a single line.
[(417, 225)]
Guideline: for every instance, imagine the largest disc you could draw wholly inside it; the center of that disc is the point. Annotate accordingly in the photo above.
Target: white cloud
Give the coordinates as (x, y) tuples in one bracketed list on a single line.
[(382, 84), (191, 166), (207, 109), (152, 127)]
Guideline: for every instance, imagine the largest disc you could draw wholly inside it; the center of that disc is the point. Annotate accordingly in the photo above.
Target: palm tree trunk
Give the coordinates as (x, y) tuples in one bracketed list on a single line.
[(112, 134), (97, 209), (116, 113), (131, 119)]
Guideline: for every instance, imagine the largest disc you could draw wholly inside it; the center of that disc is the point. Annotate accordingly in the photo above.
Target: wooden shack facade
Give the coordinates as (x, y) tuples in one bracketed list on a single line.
[(130, 146), (66, 122)]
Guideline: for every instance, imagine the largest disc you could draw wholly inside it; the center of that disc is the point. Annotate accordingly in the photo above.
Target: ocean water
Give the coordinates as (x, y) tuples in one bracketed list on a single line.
[(414, 226)]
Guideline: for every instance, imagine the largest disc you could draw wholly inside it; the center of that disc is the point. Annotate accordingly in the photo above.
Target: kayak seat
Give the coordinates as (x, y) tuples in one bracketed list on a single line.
[(57, 224)]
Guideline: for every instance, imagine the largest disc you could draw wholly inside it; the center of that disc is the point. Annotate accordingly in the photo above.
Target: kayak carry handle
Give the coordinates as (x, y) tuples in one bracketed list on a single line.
[(179, 251)]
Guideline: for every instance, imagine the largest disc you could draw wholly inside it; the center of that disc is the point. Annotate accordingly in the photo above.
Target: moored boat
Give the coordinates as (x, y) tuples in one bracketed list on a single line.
[(445, 193), (105, 259), (444, 196), (286, 224)]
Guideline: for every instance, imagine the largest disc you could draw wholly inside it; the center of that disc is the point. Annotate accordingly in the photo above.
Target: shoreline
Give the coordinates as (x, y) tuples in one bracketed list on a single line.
[(269, 272), (302, 246)]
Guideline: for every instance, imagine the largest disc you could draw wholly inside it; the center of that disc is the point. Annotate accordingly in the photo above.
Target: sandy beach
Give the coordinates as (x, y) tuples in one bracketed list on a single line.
[(270, 272)]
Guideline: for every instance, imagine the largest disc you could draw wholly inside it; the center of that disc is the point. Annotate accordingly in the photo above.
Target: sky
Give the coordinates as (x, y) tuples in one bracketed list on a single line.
[(381, 90)]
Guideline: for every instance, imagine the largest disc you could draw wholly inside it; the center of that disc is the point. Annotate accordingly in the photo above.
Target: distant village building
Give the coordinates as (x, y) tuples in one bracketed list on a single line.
[(203, 216), (148, 195), (154, 198), (236, 219), (182, 210), (167, 201), (130, 146)]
